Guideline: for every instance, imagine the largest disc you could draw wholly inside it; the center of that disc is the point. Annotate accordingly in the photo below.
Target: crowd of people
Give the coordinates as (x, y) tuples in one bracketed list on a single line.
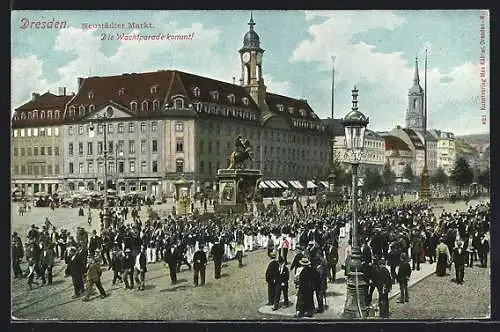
[(391, 237)]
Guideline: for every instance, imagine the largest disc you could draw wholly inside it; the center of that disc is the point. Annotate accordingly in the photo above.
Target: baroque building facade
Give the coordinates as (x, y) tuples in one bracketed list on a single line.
[(166, 124)]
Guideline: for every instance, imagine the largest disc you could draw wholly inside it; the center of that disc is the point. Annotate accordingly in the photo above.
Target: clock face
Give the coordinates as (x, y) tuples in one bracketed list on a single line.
[(245, 57), (259, 58)]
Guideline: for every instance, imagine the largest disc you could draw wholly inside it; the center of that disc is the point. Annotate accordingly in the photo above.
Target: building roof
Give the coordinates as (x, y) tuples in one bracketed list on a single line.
[(370, 134), (296, 111), (415, 140), (41, 104), (395, 143)]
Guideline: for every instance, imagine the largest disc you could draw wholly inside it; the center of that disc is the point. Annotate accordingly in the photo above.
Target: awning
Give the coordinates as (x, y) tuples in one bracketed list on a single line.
[(283, 184), (311, 185), (262, 185), (276, 184), (325, 184), (294, 184), (270, 184)]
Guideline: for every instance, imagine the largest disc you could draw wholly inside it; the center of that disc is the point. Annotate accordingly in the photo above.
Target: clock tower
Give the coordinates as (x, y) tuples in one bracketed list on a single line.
[(251, 65), (415, 112)]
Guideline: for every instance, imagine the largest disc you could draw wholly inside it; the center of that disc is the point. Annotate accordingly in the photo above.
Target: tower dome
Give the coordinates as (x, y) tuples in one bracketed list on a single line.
[(251, 38)]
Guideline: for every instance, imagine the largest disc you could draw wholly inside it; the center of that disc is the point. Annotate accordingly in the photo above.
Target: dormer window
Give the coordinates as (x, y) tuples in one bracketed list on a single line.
[(144, 105), (215, 95), (133, 106), (91, 95), (42, 114), (153, 89), (302, 112), (29, 115), (23, 116), (245, 101), (156, 105), (178, 103), (35, 114), (196, 91), (281, 108), (121, 92), (291, 110), (81, 110), (231, 98), (49, 114), (91, 107), (72, 110)]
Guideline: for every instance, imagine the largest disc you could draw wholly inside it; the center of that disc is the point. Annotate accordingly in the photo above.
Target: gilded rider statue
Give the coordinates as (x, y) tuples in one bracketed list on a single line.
[(242, 152)]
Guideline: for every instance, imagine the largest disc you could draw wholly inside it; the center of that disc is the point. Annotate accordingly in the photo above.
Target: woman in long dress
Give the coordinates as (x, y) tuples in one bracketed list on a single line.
[(443, 257)]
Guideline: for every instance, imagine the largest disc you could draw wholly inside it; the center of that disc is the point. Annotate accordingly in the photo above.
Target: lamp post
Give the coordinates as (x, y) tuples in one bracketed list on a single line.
[(117, 154), (103, 119), (354, 127)]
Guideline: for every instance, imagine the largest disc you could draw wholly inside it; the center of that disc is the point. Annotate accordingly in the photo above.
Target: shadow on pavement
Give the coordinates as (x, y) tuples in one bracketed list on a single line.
[(173, 289), (148, 287), (223, 275)]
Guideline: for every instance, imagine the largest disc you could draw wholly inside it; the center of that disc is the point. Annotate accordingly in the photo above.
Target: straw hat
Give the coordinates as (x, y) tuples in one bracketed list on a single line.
[(304, 261)]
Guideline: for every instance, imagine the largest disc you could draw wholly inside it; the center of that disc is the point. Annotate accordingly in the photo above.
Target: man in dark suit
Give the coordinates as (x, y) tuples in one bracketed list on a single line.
[(199, 264), (333, 258), (296, 260), (403, 276), (17, 255), (170, 258), (128, 269), (217, 253), (272, 277), (76, 268), (483, 250), (95, 243), (366, 253), (140, 268), (459, 257), (416, 248), (281, 284)]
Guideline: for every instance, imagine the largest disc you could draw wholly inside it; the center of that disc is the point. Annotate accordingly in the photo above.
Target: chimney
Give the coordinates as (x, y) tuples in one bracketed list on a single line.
[(34, 96), (80, 80), (62, 91)]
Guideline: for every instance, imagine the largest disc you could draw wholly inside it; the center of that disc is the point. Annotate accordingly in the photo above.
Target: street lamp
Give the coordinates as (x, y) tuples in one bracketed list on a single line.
[(117, 154), (102, 118), (354, 127)]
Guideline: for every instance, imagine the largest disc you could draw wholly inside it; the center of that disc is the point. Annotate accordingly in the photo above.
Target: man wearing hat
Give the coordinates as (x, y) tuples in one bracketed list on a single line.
[(17, 255), (33, 233), (199, 265), (75, 269), (403, 276), (170, 257), (128, 269), (94, 273), (272, 277), (140, 268), (47, 263), (217, 253), (483, 250), (384, 286), (459, 258), (116, 263), (304, 284), (281, 285), (298, 256)]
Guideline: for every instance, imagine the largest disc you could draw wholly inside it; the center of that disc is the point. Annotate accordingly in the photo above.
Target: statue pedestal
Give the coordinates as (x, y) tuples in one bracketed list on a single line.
[(237, 188)]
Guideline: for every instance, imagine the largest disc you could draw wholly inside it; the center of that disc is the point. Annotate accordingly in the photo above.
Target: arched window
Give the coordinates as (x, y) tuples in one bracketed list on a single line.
[(231, 98), (153, 89), (281, 108), (133, 106), (35, 114), (144, 105), (245, 101), (91, 107), (91, 95), (178, 103), (23, 116), (156, 105), (42, 114), (49, 114), (81, 110), (29, 116), (215, 95), (196, 91), (72, 110), (121, 92)]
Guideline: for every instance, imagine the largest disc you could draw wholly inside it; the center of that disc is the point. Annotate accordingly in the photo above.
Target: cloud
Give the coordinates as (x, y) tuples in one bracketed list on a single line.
[(383, 78), (278, 87), (26, 78)]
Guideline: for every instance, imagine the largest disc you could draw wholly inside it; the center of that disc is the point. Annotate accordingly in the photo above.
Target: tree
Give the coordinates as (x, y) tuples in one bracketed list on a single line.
[(439, 177), (388, 176), (461, 174), (408, 173), (373, 181)]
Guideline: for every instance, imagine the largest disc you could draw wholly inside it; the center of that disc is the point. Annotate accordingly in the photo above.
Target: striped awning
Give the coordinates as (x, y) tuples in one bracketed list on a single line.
[(311, 185), (283, 184), (270, 184), (325, 184), (296, 184), (262, 185)]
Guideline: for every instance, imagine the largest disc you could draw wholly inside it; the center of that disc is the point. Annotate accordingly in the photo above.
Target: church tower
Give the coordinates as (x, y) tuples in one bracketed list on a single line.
[(415, 111), (251, 65)]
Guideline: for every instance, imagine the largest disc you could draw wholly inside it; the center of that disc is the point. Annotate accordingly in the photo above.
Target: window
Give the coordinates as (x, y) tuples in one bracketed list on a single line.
[(36, 170), (111, 167), (209, 167), (209, 147), (143, 146), (22, 151), (16, 132), (154, 89), (70, 130), (91, 95), (155, 145), (80, 149), (231, 98), (16, 169), (100, 147), (56, 114), (144, 166), (28, 132), (35, 151), (156, 105), (131, 166), (35, 114), (217, 147), (154, 166), (56, 131), (143, 127), (90, 148), (133, 106), (49, 151), (121, 166), (245, 101), (201, 146), (110, 128), (42, 132), (121, 127), (70, 150), (56, 169), (110, 147), (202, 167), (144, 105), (179, 126), (90, 167), (120, 146), (100, 128), (196, 91), (49, 131), (80, 168), (179, 165), (81, 110), (215, 95), (23, 116), (154, 126), (131, 146), (71, 170), (178, 103), (179, 145), (100, 167), (15, 151), (23, 169), (91, 107), (131, 127), (80, 130), (121, 92)]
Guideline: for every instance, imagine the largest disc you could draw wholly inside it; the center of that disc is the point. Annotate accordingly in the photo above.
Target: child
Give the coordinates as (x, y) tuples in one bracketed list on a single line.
[(31, 273)]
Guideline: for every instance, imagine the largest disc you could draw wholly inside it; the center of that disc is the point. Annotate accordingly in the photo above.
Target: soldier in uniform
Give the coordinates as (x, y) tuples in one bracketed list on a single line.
[(217, 253), (199, 264)]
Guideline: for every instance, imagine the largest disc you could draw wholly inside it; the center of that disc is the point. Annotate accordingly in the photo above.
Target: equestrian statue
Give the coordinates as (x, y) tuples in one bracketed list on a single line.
[(242, 152)]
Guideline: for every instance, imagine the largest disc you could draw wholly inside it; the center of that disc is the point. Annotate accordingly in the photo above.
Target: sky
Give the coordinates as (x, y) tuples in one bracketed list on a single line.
[(373, 49)]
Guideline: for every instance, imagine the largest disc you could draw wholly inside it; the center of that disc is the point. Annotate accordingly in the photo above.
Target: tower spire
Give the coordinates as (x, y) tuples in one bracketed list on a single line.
[(416, 78), (251, 23)]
